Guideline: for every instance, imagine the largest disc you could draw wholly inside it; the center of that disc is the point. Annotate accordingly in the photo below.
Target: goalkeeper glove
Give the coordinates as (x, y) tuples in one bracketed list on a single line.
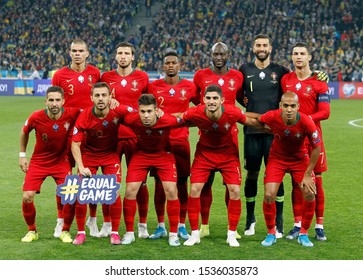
[(322, 76)]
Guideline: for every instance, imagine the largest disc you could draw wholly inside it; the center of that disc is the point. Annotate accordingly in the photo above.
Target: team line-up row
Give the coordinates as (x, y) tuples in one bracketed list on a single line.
[(148, 124)]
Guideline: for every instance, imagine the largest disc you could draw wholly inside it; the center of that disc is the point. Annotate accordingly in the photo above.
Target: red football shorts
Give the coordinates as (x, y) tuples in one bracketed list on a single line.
[(227, 164), (141, 163)]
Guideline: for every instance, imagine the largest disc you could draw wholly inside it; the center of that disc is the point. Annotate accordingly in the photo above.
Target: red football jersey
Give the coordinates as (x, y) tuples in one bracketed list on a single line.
[(100, 134), (126, 90), (288, 143), (175, 99), (51, 135), (152, 139), (230, 83), (313, 96), (216, 135), (77, 86)]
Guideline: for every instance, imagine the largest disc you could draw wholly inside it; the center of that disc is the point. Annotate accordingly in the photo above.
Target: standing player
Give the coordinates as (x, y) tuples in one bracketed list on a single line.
[(314, 102), (50, 158), (289, 154), (127, 84), (262, 91), (230, 81), (152, 151), (76, 80), (173, 94), (216, 150), (94, 146)]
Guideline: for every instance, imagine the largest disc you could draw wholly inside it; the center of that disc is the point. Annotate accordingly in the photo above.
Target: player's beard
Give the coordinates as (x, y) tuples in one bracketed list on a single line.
[(171, 74), (124, 66), (262, 58), (54, 110)]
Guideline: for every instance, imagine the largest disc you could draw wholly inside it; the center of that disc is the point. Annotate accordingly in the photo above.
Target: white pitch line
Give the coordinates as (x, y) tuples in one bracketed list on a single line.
[(353, 123)]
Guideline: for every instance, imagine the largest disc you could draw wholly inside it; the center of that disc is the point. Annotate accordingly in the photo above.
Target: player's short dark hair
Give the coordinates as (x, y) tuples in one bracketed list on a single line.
[(101, 85), (126, 44), (262, 36), (170, 53), (147, 99), (78, 41), (302, 45), (54, 89), (215, 88)]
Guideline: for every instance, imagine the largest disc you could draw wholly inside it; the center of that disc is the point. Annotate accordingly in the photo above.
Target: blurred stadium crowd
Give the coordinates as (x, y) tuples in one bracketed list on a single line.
[(37, 34)]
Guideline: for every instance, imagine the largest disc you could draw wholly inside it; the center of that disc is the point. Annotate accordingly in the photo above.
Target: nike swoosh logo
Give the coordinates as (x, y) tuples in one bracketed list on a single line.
[(207, 82), (111, 83), (69, 80), (159, 91), (250, 76), (288, 85)]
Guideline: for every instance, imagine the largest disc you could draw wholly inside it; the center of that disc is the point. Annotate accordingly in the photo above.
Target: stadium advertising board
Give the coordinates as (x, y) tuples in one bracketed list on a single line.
[(350, 90), (6, 87)]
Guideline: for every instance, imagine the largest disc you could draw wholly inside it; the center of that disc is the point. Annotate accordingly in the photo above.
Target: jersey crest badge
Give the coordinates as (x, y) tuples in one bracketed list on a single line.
[(262, 75), (134, 85), (273, 78), (124, 83), (227, 126), (232, 83), (81, 79), (105, 123), (66, 126), (221, 82), (172, 92), (56, 127), (298, 86), (183, 93)]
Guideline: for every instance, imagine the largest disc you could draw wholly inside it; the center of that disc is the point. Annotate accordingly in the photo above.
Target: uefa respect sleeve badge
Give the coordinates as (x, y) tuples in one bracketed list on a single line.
[(96, 189)]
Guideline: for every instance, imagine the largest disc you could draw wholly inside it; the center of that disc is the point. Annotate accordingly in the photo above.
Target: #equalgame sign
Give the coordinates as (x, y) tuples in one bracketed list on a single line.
[(96, 189)]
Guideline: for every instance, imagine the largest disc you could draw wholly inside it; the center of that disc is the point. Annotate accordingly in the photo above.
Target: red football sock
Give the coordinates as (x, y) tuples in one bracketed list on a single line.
[(92, 210), (159, 201), (297, 201), (206, 198), (115, 213), (269, 212), (193, 211), (129, 213), (106, 211), (173, 208), (81, 212), (68, 213), (183, 199), (320, 200), (143, 203), (308, 215), (29, 214), (234, 213), (59, 207)]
